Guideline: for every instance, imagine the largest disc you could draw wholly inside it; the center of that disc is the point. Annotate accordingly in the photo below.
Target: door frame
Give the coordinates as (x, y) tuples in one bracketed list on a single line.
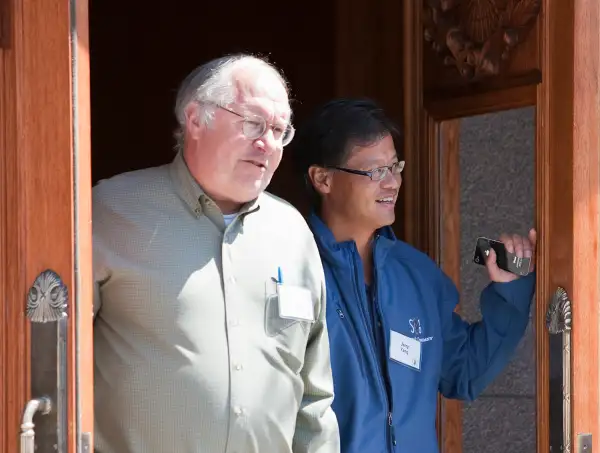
[(45, 199), (567, 183), (45, 144)]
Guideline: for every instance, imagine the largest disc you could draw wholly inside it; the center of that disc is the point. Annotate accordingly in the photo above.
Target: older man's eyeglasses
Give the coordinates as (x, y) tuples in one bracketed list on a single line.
[(254, 126), (377, 174)]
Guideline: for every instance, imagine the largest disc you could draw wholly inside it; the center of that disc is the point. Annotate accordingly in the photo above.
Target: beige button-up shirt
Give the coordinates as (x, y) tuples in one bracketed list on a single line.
[(191, 353)]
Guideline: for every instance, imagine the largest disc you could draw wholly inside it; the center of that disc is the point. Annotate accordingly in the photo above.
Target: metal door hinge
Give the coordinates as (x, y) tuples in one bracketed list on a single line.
[(584, 443)]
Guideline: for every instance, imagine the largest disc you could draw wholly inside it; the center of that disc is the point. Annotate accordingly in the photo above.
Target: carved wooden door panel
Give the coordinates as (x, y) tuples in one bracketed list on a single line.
[(46, 397), (496, 70), (469, 59)]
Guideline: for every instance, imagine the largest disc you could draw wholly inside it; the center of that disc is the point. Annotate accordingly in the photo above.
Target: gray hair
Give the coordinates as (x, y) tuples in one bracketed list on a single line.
[(212, 84)]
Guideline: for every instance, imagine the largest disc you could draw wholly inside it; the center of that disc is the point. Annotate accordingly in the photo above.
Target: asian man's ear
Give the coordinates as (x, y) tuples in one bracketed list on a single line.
[(320, 178)]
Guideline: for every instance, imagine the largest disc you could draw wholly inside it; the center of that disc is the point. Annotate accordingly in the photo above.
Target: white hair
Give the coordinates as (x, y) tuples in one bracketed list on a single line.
[(213, 84)]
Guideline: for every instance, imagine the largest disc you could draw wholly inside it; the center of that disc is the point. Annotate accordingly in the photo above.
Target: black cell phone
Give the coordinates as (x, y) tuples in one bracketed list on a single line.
[(505, 260)]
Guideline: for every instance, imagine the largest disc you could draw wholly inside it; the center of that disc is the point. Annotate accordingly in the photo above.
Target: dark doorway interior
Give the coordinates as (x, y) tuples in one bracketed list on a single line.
[(140, 53)]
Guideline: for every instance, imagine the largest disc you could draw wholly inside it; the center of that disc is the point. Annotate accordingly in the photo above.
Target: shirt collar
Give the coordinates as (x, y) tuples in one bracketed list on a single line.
[(194, 197)]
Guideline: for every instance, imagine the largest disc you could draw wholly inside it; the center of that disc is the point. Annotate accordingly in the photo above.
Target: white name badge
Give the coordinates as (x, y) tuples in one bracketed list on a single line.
[(405, 350), (295, 303)]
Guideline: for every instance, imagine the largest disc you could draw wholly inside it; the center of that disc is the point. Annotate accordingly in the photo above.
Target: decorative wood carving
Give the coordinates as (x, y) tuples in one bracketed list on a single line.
[(477, 36)]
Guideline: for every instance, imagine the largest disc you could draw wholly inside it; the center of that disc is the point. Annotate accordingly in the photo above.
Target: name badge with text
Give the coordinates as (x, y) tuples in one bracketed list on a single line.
[(405, 350), (295, 303)]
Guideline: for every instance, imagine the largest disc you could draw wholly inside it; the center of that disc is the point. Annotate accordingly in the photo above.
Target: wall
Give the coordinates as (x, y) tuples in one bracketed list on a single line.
[(497, 195)]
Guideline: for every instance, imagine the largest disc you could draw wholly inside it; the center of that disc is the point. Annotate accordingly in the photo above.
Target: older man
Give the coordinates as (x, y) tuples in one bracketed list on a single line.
[(210, 331)]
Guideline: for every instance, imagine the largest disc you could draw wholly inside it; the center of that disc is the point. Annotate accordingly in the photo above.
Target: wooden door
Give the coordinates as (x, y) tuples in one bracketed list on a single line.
[(45, 231), (543, 54)]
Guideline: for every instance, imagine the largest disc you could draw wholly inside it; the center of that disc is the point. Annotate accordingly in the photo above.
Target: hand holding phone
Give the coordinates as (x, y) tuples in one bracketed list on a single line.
[(506, 261)]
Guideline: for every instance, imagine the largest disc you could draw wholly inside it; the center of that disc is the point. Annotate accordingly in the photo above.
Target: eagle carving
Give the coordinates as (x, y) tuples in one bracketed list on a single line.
[(476, 36)]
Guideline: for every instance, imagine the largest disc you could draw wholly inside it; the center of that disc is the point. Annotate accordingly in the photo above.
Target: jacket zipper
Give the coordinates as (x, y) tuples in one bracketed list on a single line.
[(382, 386), (392, 435)]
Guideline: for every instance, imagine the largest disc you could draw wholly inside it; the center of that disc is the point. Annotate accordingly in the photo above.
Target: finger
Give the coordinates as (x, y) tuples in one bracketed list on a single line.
[(527, 249), (508, 242), (518, 245), (533, 238), (533, 241)]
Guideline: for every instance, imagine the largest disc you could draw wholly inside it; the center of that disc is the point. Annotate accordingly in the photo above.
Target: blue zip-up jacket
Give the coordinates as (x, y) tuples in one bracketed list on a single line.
[(383, 405)]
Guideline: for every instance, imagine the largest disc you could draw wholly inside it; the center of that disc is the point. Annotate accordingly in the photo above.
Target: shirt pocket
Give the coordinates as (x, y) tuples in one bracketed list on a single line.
[(288, 336)]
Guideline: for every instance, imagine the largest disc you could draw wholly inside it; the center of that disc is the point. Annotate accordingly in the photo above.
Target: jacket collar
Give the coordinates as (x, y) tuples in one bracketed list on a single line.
[(339, 253)]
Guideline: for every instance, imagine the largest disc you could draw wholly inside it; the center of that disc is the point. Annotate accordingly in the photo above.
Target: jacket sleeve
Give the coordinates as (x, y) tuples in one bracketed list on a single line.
[(316, 424), (474, 354)]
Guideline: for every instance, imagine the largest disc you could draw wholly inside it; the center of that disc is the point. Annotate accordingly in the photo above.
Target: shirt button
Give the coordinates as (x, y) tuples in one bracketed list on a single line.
[(234, 323), (238, 366), (232, 280), (237, 410)]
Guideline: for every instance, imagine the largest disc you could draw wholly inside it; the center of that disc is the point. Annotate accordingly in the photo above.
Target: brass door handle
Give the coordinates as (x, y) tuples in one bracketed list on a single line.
[(558, 322), (42, 405)]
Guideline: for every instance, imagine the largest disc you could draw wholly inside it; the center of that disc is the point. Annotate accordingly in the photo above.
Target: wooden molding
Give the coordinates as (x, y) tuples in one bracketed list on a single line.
[(585, 291), (413, 121), (5, 24), (477, 37), (42, 221), (554, 189), (494, 101), (14, 333), (428, 117), (449, 145), (567, 187), (420, 187), (567, 184), (83, 335)]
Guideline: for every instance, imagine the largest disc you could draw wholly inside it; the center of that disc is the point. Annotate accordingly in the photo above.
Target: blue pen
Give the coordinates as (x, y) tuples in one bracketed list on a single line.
[(279, 277)]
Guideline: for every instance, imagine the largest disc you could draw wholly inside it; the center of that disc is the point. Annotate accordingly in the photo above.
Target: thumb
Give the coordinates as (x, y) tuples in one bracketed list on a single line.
[(494, 271), (490, 263), (490, 260), (496, 274)]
